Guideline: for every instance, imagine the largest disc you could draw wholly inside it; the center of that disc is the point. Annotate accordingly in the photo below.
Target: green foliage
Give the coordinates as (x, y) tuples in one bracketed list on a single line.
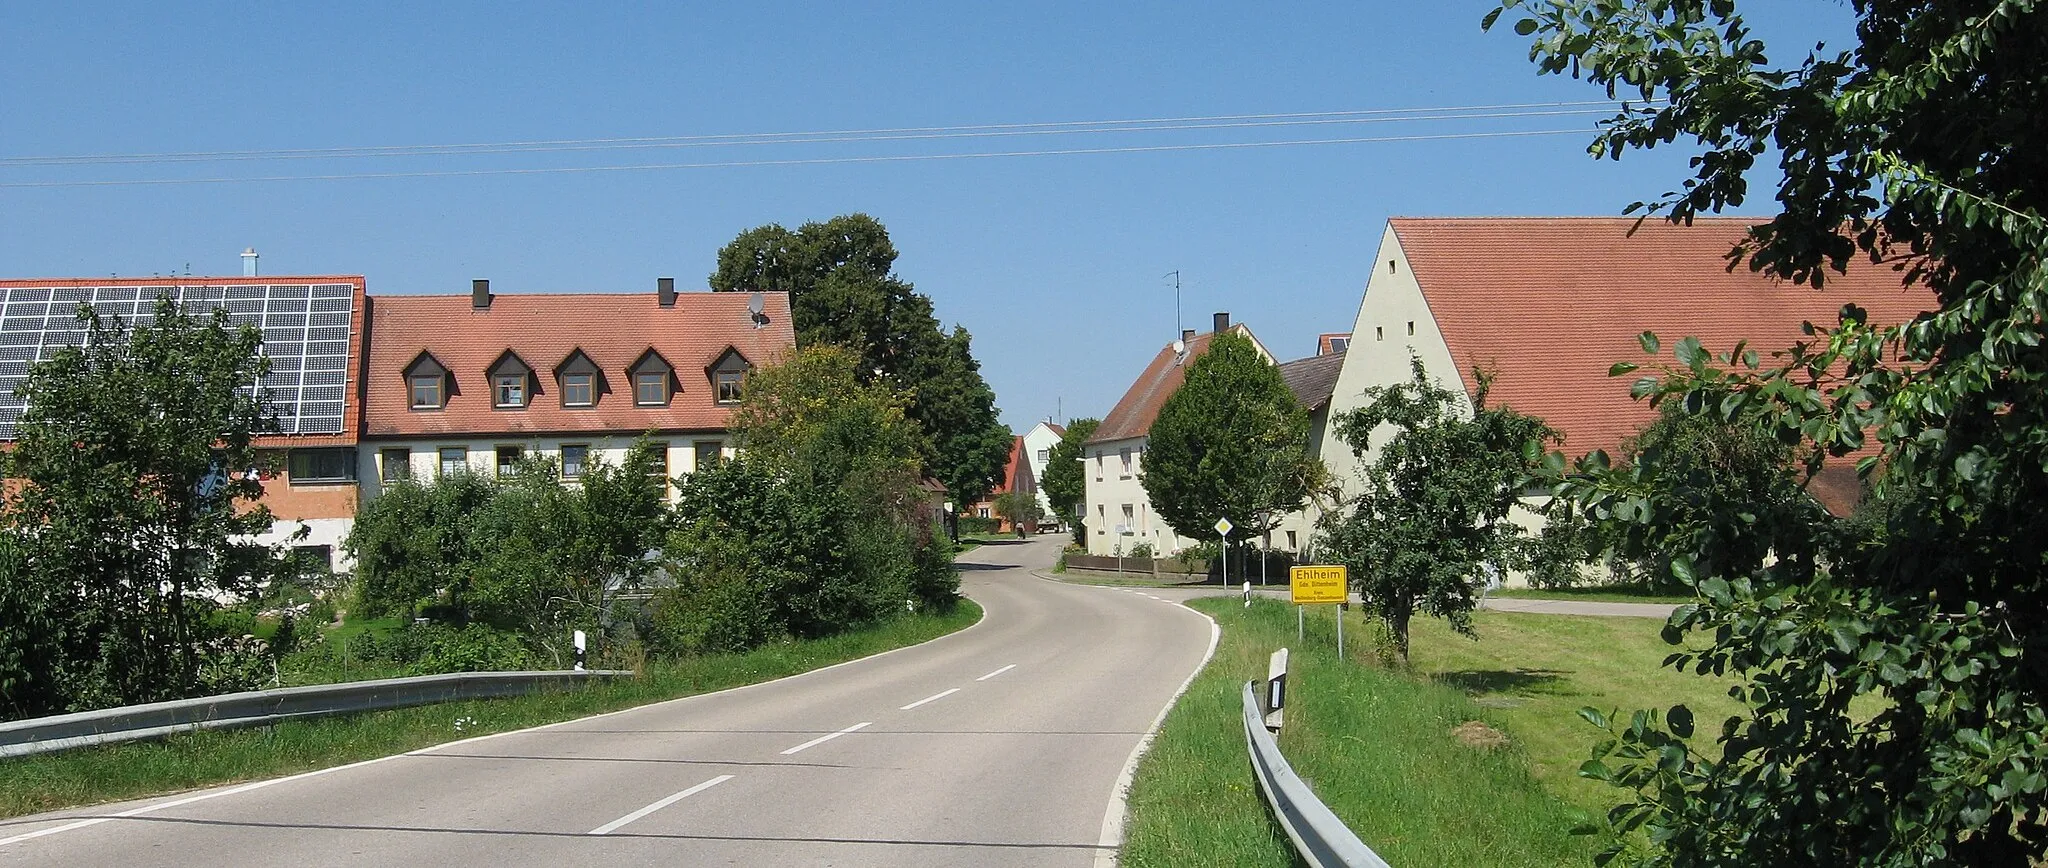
[(136, 500), (1432, 518), (1019, 508), (1065, 481), (1232, 443), (1893, 675), (529, 555), (977, 525), (818, 526), (844, 293), (1730, 492)]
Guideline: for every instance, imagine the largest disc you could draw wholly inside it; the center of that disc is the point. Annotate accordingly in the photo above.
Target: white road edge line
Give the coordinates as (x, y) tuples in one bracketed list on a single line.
[(94, 821), (1107, 847), (997, 672), (149, 809), (932, 698), (828, 737), (614, 825)]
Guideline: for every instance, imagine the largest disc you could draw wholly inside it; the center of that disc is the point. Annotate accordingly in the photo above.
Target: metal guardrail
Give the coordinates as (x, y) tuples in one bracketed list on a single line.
[(1322, 840), (267, 707)]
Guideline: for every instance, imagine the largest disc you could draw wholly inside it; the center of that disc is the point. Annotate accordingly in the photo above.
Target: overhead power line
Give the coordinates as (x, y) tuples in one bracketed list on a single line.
[(1131, 125), (898, 158)]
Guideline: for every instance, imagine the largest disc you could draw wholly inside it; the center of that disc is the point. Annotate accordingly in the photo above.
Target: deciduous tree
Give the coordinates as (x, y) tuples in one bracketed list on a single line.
[(1230, 443), (1432, 518), (1892, 672)]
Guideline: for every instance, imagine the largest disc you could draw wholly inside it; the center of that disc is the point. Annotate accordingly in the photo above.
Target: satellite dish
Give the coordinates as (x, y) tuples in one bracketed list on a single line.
[(757, 303), (1179, 346)]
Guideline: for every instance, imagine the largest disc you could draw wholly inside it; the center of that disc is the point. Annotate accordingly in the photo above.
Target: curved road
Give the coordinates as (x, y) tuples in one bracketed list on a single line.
[(998, 745)]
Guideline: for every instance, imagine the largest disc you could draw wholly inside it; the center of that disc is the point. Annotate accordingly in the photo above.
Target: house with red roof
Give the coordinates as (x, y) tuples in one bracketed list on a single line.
[(478, 382), (1017, 476), (1548, 304)]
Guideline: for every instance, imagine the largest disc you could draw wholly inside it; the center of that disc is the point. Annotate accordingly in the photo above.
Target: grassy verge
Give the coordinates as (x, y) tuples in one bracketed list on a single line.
[(1378, 744), (34, 784), (1599, 594)]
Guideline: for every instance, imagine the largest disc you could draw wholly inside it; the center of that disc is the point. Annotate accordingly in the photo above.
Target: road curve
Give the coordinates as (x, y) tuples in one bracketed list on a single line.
[(998, 745)]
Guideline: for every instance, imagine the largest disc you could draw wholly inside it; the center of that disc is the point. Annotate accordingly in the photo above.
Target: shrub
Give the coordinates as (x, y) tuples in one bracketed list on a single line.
[(978, 524)]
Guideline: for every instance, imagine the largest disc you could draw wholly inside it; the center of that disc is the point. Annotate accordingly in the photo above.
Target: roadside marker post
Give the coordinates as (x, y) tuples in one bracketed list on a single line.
[(1320, 583), (1247, 595), (579, 650)]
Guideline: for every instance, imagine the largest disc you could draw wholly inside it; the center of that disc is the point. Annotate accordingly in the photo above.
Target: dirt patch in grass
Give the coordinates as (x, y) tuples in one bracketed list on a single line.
[(1472, 733)]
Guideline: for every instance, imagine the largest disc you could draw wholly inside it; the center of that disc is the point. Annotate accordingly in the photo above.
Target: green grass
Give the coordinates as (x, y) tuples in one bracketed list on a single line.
[(42, 783), (1377, 745), (1597, 594)]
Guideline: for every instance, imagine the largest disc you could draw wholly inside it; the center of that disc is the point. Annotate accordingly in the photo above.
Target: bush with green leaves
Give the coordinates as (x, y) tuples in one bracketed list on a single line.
[(1065, 483), (1892, 676)]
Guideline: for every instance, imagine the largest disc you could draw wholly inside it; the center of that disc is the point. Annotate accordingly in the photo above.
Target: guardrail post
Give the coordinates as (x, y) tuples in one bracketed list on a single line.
[(1276, 689)]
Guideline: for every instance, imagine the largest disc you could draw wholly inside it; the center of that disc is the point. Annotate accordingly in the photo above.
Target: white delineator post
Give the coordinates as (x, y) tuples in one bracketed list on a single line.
[(579, 650), (1276, 689)]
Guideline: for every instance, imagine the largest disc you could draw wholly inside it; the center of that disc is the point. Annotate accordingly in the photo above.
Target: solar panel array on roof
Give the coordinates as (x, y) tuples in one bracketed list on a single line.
[(305, 335)]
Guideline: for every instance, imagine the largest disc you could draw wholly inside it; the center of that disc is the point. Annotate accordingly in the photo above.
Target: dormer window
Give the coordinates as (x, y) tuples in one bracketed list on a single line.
[(427, 383), (508, 392), (511, 382), (653, 380), (576, 390), (581, 380), (727, 375), (426, 391)]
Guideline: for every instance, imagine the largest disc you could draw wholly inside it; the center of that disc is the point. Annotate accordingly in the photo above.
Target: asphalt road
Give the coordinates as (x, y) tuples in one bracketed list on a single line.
[(999, 745)]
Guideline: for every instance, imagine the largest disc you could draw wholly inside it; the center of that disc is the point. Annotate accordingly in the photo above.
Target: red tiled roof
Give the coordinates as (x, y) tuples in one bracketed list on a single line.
[(613, 329), (1133, 414), (1551, 303)]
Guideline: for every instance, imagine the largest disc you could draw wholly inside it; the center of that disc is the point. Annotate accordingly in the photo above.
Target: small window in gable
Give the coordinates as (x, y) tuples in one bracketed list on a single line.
[(426, 383), (581, 381), (511, 382), (652, 379)]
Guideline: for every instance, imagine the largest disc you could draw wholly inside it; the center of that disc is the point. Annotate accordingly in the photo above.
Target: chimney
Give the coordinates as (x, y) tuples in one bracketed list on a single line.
[(249, 262), (1222, 322), (1187, 336), (665, 289), (480, 294)]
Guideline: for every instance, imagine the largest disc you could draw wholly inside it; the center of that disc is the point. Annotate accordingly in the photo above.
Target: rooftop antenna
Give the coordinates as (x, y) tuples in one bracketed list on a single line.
[(1175, 274)]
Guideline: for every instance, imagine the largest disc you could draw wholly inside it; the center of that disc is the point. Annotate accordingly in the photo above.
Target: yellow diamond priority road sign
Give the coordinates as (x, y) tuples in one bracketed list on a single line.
[(1319, 584), (1223, 527)]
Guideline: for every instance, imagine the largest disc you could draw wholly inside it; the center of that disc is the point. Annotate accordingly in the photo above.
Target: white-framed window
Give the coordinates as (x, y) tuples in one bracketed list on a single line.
[(650, 388), (454, 459), (578, 390), (426, 391), (728, 383), (1125, 455), (574, 458), (508, 391), (1044, 455), (1098, 467)]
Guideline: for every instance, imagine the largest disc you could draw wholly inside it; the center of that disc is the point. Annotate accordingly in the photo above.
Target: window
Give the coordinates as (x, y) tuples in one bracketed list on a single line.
[(650, 389), (1411, 327), (509, 390), (323, 465), (984, 512), (454, 459), (709, 452), (1125, 455), (508, 459), (576, 390), (729, 386), (573, 460), (426, 391), (394, 465), (1379, 333), (1098, 467), (1390, 266), (1044, 455), (1338, 345), (1290, 541), (660, 467)]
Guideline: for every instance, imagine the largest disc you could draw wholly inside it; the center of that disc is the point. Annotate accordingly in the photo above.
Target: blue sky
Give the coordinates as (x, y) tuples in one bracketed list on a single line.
[(1055, 263)]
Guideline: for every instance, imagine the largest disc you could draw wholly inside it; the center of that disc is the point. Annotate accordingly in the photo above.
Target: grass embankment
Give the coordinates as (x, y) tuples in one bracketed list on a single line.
[(33, 784), (1378, 747)]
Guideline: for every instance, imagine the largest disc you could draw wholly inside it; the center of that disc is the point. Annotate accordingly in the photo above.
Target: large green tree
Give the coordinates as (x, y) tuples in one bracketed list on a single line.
[(1232, 442), (1432, 519), (136, 501), (843, 291), (1065, 483), (1893, 672)]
